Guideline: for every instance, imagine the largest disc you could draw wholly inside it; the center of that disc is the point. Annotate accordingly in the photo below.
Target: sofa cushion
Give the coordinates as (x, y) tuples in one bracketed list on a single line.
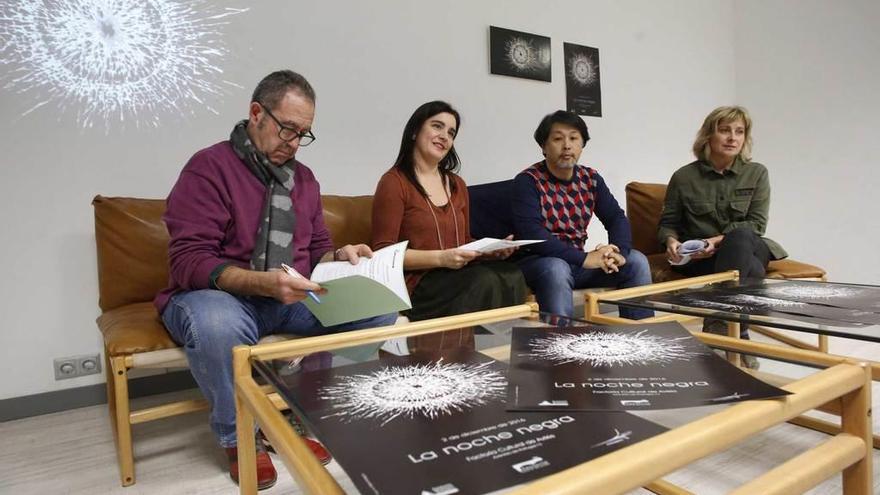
[(490, 209), (132, 248), (133, 328), (780, 269), (789, 268), (643, 205), (349, 218)]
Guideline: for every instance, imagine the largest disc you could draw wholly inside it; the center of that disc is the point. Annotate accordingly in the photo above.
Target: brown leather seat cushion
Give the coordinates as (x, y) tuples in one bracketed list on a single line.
[(789, 268), (643, 205), (782, 269), (134, 328)]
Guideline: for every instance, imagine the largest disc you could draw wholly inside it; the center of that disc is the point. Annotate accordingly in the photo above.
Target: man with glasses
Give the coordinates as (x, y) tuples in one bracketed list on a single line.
[(239, 210)]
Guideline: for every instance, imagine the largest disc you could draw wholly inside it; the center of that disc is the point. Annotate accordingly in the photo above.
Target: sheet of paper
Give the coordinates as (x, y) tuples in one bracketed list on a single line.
[(489, 244), (385, 267), (692, 246), (373, 287), (688, 248)]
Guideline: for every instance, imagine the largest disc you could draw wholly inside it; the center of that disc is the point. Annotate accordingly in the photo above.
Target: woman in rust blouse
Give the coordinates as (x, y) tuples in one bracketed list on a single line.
[(421, 199)]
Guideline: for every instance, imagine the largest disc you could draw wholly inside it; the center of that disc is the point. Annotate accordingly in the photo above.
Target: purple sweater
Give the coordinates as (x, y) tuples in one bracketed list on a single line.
[(213, 215)]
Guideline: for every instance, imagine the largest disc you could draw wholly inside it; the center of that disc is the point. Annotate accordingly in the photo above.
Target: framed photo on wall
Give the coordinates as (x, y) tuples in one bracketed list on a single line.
[(519, 54), (583, 92)]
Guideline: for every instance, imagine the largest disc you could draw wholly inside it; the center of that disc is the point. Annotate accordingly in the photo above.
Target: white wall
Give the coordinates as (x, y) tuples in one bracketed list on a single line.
[(664, 65), (809, 71)]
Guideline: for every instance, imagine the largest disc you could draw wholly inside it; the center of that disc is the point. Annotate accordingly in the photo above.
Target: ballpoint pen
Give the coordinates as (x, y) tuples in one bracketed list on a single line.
[(295, 274)]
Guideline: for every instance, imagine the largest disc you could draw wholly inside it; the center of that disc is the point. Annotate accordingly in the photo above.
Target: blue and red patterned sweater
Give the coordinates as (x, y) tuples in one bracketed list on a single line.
[(559, 211)]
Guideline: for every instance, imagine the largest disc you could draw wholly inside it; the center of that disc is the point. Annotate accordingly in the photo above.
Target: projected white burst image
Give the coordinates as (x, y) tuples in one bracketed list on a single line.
[(424, 390), (111, 62), (609, 349)]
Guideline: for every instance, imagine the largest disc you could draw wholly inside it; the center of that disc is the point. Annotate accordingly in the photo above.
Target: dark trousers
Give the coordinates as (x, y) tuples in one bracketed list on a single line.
[(476, 287), (742, 250)]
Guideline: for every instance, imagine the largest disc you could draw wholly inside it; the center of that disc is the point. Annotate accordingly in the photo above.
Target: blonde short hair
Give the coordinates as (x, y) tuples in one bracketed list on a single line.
[(710, 125)]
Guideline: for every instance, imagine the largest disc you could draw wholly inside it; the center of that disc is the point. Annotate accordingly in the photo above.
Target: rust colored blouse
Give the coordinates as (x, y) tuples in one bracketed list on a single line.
[(401, 213)]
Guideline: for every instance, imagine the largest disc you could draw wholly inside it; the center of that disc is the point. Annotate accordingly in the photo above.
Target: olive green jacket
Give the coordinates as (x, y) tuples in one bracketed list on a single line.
[(702, 203)]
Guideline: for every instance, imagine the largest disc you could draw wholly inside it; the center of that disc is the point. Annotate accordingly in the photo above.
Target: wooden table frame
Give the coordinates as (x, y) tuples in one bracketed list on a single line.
[(845, 387)]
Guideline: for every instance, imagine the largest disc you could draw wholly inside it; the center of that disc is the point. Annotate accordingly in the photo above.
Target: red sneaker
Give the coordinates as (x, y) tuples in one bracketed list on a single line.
[(315, 446), (266, 474), (320, 452)]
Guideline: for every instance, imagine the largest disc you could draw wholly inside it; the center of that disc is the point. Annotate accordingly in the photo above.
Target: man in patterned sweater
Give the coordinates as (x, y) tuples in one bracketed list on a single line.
[(554, 200)]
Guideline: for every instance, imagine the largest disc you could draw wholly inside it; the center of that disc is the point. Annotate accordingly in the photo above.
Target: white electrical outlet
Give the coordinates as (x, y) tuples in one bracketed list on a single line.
[(74, 366)]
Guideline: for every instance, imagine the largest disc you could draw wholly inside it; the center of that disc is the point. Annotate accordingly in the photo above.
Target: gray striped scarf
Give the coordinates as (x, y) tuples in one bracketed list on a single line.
[(274, 243)]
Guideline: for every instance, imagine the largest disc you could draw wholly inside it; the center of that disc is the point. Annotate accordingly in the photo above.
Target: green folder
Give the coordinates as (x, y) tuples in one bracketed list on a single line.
[(353, 298)]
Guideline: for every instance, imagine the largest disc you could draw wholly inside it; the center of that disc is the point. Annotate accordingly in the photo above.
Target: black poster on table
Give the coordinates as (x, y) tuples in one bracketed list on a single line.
[(583, 91), (626, 367), (430, 425), (519, 54), (846, 296), (757, 301)]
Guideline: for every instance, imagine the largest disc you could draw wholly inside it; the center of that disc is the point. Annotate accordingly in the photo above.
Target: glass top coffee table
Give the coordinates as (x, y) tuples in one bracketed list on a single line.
[(724, 297), (809, 307), (632, 465)]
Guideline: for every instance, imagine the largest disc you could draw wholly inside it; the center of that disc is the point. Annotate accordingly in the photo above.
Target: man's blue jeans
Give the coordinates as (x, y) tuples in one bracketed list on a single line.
[(553, 280), (209, 323)]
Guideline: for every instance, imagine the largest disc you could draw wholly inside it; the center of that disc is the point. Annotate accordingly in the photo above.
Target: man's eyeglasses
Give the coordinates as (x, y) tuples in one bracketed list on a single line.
[(288, 134)]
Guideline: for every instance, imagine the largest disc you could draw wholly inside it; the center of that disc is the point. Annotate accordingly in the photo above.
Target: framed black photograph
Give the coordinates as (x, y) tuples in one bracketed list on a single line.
[(583, 92), (519, 54)]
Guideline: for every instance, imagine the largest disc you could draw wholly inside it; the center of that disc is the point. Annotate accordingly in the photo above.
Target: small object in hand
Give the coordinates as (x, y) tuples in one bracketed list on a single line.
[(693, 246), (295, 274)]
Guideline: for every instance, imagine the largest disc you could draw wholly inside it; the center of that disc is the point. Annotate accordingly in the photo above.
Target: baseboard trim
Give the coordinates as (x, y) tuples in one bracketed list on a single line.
[(90, 395)]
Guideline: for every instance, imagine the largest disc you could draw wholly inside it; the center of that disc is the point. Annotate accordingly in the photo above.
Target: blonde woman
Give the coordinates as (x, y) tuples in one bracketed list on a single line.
[(722, 198)]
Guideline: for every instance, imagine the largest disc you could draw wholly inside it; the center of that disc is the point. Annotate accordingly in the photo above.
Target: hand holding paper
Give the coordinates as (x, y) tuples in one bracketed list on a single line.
[(489, 244), (373, 287), (689, 248), (295, 274)]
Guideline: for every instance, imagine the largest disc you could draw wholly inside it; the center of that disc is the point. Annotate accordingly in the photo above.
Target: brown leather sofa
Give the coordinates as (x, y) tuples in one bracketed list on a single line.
[(643, 205), (132, 250)]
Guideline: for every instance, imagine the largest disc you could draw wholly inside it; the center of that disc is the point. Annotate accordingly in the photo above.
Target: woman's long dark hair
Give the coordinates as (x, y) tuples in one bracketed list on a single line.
[(405, 162)]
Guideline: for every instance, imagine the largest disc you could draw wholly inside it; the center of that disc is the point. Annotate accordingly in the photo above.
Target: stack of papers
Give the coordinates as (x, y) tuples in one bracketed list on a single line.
[(489, 244), (689, 248)]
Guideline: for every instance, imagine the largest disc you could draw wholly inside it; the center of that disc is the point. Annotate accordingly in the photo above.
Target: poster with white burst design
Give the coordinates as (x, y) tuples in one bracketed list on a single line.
[(816, 303), (626, 367), (519, 54), (583, 91), (824, 294), (432, 424)]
